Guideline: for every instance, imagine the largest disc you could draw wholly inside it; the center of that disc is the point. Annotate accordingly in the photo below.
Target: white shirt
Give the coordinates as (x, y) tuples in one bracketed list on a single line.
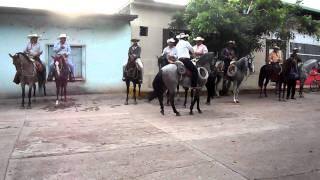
[(200, 50), (170, 52), (33, 49), (183, 48)]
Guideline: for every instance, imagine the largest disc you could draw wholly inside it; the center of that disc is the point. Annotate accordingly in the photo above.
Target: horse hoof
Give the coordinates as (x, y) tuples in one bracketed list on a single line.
[(29, 107), (162, 112), (185, 106), (57, 102), (135, 103), (22, 107), (237, 101), (178, 114), (191, 113), (199, 111), (126, 103)]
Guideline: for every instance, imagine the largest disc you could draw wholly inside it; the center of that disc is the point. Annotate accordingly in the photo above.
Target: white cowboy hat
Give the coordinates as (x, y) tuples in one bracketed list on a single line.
[(231, 42), (275, 47), (33, 35), (135, 40), (62, 36), (171, 40), (295, 49), (198, 39), (182, 35)]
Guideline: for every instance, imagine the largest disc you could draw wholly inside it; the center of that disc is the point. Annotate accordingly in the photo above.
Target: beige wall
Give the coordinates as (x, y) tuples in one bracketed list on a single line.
[(156, 19)]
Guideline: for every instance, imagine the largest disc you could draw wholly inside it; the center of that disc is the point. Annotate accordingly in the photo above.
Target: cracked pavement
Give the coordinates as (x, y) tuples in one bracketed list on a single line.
[(97, 137)]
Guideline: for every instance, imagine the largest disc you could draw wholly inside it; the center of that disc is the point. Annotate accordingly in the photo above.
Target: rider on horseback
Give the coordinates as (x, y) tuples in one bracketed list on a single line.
[(170, 52), (62, 48), (33, 51), (228, 55), (199, 49), (275, 58), (183, 49), (135, 54)]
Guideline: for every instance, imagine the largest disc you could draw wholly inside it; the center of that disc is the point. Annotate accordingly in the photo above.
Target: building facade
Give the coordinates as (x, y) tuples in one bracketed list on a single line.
[(99, 46)]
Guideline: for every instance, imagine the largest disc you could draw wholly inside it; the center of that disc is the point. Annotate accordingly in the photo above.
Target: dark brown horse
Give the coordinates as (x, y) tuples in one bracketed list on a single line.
[(26, 70), (132, 75), (61, 73)]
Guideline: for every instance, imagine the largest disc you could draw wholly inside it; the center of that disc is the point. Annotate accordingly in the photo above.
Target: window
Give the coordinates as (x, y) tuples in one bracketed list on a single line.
[(77, 59), (143, 31), (306, 51)]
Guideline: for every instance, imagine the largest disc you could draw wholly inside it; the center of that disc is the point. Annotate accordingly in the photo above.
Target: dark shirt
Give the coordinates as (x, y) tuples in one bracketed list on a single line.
[(295, 57), (135, 51), (228, 54)]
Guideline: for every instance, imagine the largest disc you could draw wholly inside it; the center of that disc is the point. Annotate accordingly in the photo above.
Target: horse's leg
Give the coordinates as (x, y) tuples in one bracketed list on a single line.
[(193, 101), (192, 95), (160, 98), (61, 91), (128, 85), (172, 94), (29, 96), (265, 87), (234, 92), (65, 92), (208, 93), (237, 91), (301, 88), (34, 87), (198, 101), (134, 93), (23, 94), (44, 89), (185, 97), (178, 95), (139, 85), (168, 98), (57, 92)]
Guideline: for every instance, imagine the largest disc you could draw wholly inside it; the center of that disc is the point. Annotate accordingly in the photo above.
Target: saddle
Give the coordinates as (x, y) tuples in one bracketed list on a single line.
[(132, 71)]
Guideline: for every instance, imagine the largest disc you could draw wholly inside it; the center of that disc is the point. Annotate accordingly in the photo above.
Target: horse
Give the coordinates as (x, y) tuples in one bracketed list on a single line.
[(268, 72), (236, 73), (304, 71), (61, 74), (41, 75), (207, 61), (132, 75), (26, 70), (214, 83), (173, 74)]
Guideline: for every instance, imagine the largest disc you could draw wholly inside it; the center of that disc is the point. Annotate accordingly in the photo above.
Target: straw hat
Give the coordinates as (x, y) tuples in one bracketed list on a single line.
[(62, 36), (33, 35), (276, 47), (182, 35), (231, 42), (135, 40), (295, 49), (171, 40), (198, 39)]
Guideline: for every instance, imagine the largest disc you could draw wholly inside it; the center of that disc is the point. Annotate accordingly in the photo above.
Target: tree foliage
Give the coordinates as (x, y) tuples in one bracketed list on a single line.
[(245, 21)]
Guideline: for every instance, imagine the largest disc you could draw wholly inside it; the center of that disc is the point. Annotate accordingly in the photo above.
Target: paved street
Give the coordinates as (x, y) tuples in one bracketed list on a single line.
[(97, 137)]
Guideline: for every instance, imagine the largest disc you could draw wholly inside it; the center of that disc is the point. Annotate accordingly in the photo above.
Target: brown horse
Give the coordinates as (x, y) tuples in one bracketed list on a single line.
[(132, 74), (26, 70), (61, 73)]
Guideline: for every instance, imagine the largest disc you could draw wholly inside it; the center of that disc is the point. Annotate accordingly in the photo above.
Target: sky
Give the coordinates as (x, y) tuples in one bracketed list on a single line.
[(77, 7)]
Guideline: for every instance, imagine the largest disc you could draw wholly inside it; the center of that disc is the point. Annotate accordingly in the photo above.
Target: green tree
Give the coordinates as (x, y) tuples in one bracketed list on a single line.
[(245, 21)]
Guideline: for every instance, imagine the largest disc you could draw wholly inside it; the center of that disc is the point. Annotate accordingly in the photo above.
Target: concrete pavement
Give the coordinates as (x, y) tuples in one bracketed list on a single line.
[(97, 137)]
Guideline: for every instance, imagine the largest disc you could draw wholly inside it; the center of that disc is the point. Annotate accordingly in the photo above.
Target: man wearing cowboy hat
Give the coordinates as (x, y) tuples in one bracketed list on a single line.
[(228, 54), (199, 49), (33, 50), (275, 56), (295, 55), (183, 51), (134, 53), (170, 51), (62, 48)]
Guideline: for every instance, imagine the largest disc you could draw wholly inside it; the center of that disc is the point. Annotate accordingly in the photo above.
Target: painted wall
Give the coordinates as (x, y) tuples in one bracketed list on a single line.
[(156, 19), (106, 43)]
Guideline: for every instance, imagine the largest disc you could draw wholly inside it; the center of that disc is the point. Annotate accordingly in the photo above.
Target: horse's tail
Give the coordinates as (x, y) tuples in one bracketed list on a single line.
[(262, 75), (158, 86)]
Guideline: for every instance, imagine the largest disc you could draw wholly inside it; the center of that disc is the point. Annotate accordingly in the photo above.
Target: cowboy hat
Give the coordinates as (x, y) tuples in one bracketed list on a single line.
[(171, 40), (135, 40), (276, 47), (198, 39), (295, 49), (33, 35), (231, 42), (62, 36), (182, 35)]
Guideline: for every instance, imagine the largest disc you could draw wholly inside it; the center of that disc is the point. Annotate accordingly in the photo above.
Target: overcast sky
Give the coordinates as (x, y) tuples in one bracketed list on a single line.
[(75, 7)]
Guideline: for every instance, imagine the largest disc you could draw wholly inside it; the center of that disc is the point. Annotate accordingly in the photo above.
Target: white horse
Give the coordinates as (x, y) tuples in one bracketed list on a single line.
[(304, 71), (236, 73)]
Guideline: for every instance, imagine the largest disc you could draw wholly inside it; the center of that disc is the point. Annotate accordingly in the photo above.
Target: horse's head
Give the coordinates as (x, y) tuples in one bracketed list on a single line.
[(15, 60), (207, 60), (250, 58), (60, 65)]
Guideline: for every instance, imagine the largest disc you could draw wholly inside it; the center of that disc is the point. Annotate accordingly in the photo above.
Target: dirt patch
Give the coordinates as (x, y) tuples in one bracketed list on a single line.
[(70, 103)]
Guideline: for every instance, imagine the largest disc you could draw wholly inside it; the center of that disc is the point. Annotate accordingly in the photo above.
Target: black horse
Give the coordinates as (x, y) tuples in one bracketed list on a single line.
[(132, 74)]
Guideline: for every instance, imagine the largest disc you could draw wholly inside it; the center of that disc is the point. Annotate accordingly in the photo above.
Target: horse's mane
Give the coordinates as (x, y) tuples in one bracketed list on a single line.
[(207, 58), (23, 54)]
